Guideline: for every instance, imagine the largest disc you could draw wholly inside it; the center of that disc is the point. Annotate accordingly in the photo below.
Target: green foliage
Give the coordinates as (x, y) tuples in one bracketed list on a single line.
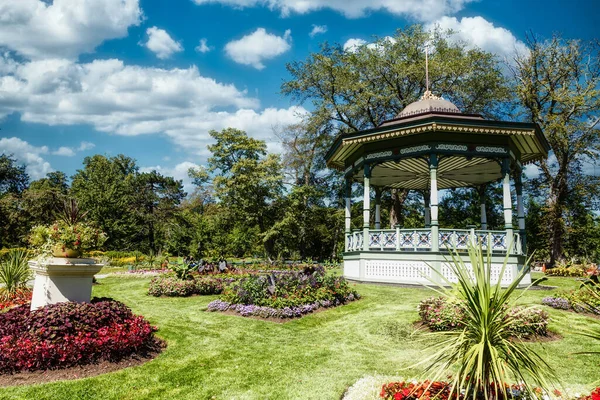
[(14, 272), (482, 357), (557, 82), (182, 269)]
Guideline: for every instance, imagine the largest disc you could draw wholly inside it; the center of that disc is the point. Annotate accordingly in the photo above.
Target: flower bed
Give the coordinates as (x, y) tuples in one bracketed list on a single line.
[(20, 297), (441, 390), (440, 315), (68, 334), (286, 294), (577, 272), (581, 300)]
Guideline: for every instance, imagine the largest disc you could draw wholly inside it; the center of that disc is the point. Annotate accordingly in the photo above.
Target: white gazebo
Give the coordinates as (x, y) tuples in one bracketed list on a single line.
[(431, 146)]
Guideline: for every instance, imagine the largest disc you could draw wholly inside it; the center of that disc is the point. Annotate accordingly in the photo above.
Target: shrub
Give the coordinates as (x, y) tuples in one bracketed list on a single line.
[(566, 271), (173, 287), (441, 314), (69, 334)]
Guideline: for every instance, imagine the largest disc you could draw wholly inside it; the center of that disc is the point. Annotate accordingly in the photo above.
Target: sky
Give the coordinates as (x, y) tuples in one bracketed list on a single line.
[(150, 78)]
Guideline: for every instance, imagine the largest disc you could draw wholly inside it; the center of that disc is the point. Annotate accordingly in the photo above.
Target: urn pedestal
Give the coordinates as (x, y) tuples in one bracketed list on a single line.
[(60, 279)]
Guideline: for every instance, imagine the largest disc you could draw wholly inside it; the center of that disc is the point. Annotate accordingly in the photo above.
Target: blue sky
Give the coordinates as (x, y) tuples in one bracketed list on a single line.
[(150, 78)]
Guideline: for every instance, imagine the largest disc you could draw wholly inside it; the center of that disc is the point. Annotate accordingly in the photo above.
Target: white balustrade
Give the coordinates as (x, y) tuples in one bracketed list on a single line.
[(420, 240)]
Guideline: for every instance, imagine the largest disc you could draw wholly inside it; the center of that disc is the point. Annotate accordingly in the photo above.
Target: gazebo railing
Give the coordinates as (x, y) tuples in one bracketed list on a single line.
[(420, 240)]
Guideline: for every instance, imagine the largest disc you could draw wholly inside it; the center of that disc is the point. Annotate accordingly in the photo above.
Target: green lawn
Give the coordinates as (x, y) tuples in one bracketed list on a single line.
[(215, 356)]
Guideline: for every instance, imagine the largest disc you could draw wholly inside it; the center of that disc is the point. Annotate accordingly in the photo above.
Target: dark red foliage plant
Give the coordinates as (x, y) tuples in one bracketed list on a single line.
[(68, 334)]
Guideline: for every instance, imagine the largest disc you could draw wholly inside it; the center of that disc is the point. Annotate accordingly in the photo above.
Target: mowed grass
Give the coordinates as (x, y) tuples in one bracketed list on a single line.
[(216, 356)]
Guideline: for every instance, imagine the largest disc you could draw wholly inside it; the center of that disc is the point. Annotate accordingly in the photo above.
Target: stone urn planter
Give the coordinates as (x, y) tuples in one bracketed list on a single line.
[(60, 279)]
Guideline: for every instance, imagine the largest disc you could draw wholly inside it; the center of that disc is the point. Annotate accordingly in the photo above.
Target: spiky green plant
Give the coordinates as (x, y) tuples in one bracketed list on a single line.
[(592, 307), (483, 358), (14, 272)]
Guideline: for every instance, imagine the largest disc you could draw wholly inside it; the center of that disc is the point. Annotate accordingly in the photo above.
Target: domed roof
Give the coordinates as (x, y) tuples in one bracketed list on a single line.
[(428, 103)]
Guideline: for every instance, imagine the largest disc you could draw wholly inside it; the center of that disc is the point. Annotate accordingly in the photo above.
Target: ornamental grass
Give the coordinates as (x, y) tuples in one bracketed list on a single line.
[(482, 357)]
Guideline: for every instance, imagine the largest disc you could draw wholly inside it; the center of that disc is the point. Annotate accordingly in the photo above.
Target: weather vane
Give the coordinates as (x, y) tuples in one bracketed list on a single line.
[(427, 94)]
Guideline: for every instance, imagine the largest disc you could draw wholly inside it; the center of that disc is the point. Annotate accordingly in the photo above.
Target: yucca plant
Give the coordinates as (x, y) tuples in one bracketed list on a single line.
[(14, 273), (483, 358), (592, 307)]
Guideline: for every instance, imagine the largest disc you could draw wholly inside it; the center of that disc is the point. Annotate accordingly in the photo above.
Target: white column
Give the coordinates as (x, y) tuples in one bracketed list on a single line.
[(520, 208), (433, 201), (348, 216), (377, 208), (366, 206), (507, 203), (482, 199), (426, 198)]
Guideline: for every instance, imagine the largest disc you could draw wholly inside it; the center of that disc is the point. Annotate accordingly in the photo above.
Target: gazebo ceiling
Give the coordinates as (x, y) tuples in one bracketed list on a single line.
[(413, 173)]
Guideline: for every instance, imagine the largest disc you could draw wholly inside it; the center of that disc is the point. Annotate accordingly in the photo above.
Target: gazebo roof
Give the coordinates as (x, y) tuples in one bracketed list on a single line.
[(469, 147)]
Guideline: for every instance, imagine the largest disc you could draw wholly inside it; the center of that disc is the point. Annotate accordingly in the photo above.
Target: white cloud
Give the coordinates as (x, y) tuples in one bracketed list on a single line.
[(161, 43), (134, 100), (203, 46), (423, 10), (70, 151), (478, 32), (317, 29), (258, 46), (353, 43), (28, 155), (64, 28), (179, 172), (86, 146), (64, 151)]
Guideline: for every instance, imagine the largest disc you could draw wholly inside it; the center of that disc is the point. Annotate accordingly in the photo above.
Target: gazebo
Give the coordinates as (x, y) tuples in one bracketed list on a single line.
[(431, 146)]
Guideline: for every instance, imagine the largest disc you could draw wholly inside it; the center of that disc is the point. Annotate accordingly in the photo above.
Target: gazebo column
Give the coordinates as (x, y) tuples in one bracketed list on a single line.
[(520, 210), (377, 208), (482, 199), (348, 219), (507, 200), (366, 206), (433, 201), (427, 201)]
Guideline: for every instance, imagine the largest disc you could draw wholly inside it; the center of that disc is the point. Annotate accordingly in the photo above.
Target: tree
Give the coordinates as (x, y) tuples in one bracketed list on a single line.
[(248, 181), (558, 86), (155, 203), (105, 188), (43, 197), (13, 178), (357, 89), (13, 181)]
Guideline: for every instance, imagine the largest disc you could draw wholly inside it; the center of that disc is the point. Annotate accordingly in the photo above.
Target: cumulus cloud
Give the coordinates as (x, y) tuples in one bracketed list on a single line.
[(317, 29), (203, 46), (478, 32), (179, 172), (133, 100), (64, 28), (71, 151), (27, 154), (160, 43), (422, 10), (258, 46), (353, 43)]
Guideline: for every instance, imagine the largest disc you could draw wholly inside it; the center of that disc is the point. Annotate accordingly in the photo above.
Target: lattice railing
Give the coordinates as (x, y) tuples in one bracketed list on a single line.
[(421, 240)]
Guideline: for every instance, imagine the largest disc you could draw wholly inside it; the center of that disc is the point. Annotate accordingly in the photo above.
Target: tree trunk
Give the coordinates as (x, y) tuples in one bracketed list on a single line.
[(398, 198), (556, 206)]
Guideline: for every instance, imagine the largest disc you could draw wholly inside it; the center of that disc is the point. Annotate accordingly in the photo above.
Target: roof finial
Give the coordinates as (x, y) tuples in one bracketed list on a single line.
[(427, 94)]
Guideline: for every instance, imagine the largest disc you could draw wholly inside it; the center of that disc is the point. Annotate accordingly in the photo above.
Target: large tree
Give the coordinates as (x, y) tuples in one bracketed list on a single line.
[(105, 188), (247, 181), (359, 88), (13, 181), (558, 85), (156, 202)]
